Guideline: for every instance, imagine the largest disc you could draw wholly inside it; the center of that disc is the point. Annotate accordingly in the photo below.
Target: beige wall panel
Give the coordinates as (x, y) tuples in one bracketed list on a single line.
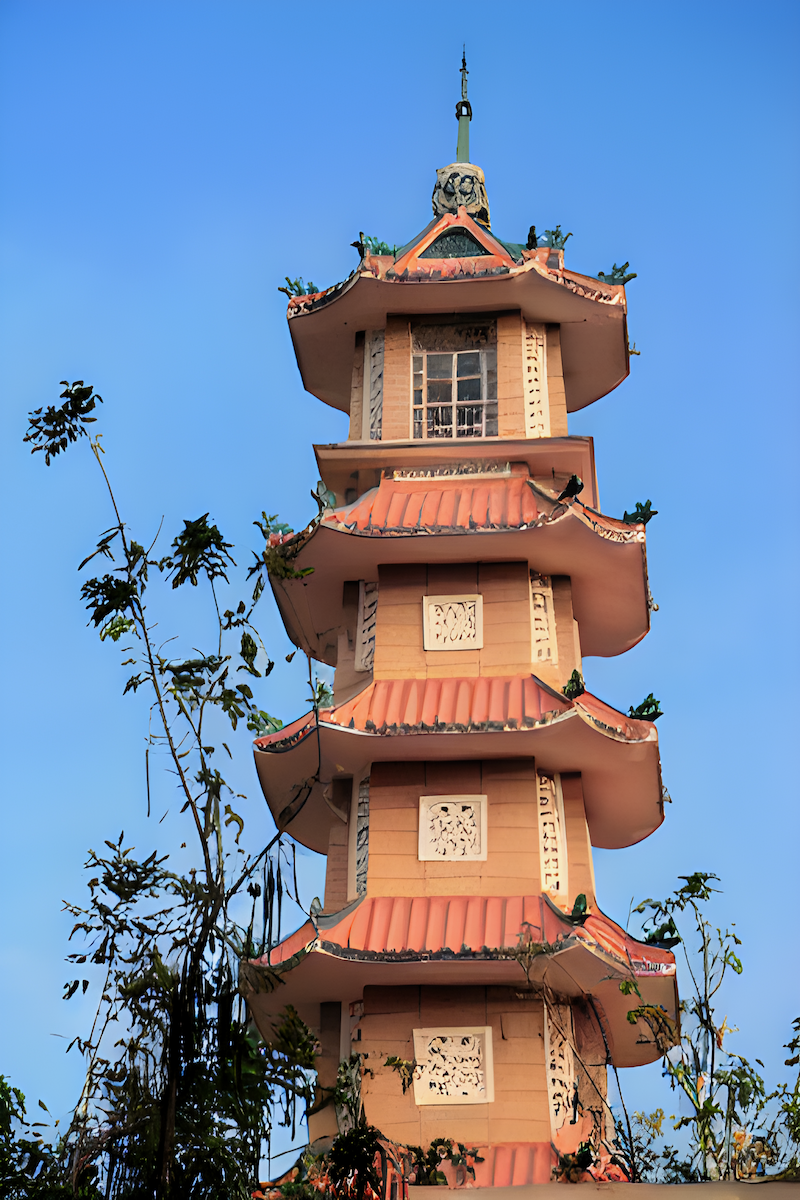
[(357, 389), (579, 847), (509, 768), (510, 366), (395, 887), (396, 776), (447, 778), (457, 1122), (336, 869), (394, 1026), (509, 840), (460, 885), (512, 816), (555, 384), (565, 638), (397, 380), (517, 1050), (392, 820), (454, 870), (534, 1129), (451, 578), (435, 1002), (389, 866), (400, 999)]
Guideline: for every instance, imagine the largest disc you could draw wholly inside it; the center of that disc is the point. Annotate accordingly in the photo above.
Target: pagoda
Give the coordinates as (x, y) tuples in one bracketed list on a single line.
[(462, 571)]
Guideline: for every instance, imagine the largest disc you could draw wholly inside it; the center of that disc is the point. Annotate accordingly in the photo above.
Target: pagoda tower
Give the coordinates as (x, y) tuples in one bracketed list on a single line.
[(461, 574)]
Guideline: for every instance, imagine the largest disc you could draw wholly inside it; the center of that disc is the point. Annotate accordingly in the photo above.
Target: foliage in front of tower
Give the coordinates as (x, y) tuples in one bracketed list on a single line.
[(180, 1090), (735, 1128)]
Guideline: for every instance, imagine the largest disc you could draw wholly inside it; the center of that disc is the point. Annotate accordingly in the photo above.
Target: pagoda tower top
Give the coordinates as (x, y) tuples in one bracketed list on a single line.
[(461, 184)]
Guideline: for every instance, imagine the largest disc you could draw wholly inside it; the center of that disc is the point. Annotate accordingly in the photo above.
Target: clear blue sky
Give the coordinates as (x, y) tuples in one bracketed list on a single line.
[(166, 163)]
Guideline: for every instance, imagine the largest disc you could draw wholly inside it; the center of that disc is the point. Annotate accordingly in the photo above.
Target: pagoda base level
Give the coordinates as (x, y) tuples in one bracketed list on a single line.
[(506, 1164)]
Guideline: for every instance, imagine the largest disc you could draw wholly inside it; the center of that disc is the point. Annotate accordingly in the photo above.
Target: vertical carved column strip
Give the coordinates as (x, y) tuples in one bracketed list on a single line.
[(561, 1083), (365, 625), (552, 848), (373, 384), (362, 837), (537, 408), (544, 646)]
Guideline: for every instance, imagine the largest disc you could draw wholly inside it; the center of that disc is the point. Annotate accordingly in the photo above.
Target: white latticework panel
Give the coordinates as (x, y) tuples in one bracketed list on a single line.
[(452, 622), (373, 382), (537, 408), (544, 648), (560, 1065), (551, 834), (452, 828), (365, 625), (454, 1066), (362, 837)]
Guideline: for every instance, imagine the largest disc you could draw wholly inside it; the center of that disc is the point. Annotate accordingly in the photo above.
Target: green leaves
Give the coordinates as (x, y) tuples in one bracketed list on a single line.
[(574, 686), (199, 548), (296, 287), (52, 429), (648, 710), (107, 597), (261, 723)]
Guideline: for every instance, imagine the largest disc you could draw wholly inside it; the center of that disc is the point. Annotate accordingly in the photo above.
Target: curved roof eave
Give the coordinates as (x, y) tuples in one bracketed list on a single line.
[(609, 577), (621, 777), (594, 339), (586, 963)]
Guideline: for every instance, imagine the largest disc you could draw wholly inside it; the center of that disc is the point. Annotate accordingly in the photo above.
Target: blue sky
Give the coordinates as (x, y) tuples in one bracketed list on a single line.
[(166, 164)]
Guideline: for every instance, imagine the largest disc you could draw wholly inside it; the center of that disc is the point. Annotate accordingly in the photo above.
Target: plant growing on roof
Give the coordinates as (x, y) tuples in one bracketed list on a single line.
[(574, 686), (180, 1103), (296, 287), (648, 710)]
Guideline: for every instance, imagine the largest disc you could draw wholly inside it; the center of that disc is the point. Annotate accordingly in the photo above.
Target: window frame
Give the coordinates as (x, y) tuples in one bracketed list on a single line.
[(425, 406)]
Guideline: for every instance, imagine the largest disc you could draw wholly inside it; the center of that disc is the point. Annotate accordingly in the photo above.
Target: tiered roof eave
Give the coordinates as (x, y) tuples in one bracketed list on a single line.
[(591, 312), (475, 718), (441, 940)]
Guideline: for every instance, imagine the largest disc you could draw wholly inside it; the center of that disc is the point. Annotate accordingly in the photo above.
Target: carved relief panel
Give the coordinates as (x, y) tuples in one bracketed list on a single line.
[(537, 408), (544, 647), (552, 848), (452, 622), (454, 1066), (452, 828), (365, 625)]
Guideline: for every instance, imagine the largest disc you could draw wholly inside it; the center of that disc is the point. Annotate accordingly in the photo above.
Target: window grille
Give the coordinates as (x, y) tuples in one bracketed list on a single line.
[(455, 382)]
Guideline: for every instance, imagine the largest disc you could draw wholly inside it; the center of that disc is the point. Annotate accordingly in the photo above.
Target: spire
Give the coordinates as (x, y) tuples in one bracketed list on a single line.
[(464, 114)]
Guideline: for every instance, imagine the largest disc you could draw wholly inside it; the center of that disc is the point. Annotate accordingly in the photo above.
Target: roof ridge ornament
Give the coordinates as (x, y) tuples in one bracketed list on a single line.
[(462, 183)]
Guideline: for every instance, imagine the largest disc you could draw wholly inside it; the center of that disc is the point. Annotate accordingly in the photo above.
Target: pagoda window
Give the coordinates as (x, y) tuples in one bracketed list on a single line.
[(455, 381), (454, 1066), (452, 829)]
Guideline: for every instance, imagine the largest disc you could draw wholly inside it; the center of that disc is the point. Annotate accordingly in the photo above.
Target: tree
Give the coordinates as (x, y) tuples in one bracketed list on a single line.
[(179, 1084), (726, 1095)]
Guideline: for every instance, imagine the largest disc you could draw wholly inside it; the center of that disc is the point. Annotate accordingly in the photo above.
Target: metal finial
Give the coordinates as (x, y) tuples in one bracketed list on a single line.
[(463, 114)]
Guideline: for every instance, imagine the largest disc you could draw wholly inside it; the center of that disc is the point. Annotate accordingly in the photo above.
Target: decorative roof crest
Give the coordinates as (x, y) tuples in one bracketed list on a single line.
[(461, 182)]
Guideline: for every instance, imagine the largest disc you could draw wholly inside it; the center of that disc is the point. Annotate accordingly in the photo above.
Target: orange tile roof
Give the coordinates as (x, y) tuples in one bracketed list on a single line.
[(431, 925), (460, 502), (479, 704)]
